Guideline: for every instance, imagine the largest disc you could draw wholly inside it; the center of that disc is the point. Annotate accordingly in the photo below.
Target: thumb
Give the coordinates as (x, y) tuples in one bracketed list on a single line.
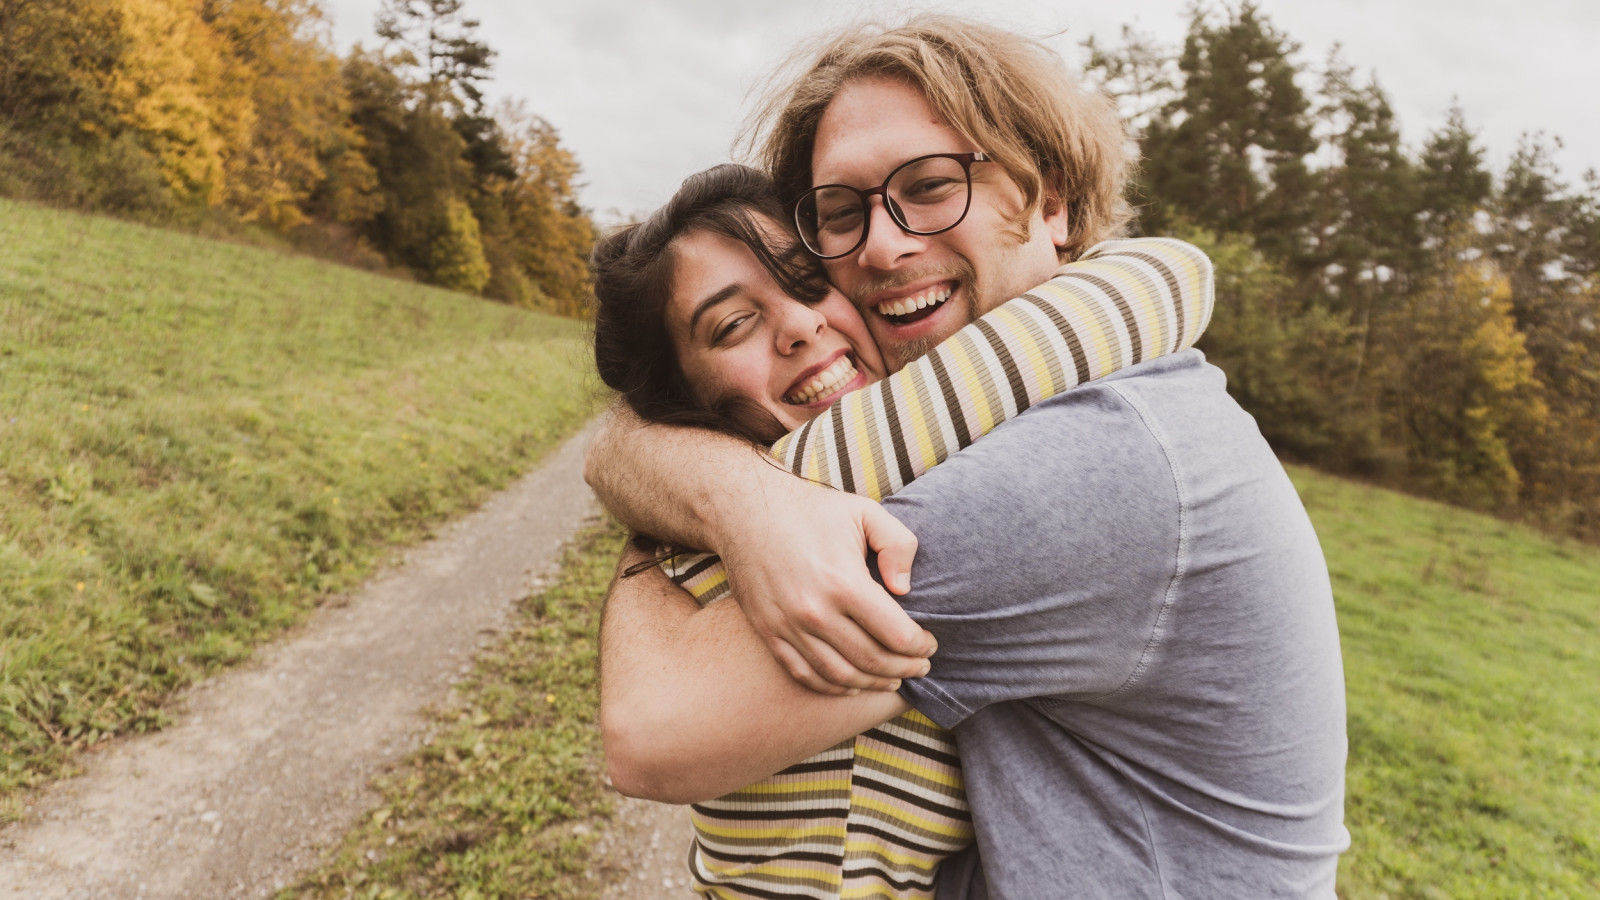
[(895, 545)]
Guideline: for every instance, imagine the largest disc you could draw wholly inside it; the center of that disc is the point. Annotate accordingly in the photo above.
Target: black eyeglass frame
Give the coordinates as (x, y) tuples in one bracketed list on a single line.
[(965, 159)]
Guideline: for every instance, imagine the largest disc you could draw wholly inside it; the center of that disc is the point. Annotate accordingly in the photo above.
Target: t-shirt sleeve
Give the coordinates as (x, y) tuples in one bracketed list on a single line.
[(1046, 555)]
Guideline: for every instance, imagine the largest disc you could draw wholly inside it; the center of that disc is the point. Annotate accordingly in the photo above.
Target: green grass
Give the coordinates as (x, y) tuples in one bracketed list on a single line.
[(199, 441), (1472, 663), (505, 800)]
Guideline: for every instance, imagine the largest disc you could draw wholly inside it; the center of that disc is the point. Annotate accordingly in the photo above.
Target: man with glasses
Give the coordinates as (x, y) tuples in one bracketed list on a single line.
[(1136, 643)]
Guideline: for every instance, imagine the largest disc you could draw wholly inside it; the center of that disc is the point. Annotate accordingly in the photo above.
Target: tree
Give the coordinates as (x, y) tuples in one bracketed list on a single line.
[(1365, 246), (1461, 396), (1229, 153), (436, 36), (415, 155), (1140, 74), (1452, 183), (553, 234), (275, 56)]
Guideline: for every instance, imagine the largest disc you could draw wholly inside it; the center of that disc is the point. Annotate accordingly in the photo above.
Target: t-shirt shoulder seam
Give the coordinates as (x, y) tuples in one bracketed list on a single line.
[(1179, 551)]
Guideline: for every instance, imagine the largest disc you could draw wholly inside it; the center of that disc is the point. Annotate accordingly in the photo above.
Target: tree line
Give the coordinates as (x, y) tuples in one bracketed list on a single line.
[(239, 112), (1405, 314), (1401, 313)]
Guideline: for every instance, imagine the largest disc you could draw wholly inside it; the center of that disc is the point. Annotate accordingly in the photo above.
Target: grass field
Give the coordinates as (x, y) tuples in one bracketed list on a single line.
[(198, 441), (1471, 662)]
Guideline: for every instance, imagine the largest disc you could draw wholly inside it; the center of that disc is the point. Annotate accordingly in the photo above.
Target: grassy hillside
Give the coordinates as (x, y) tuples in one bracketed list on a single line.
[(1472, 660), (199, 440)]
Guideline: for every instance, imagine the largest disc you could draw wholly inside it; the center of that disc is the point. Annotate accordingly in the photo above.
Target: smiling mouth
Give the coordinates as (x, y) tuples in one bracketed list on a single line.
[(905, 310), (824, 384)]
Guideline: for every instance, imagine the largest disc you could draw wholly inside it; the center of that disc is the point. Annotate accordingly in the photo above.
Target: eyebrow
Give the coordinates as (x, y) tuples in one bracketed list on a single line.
[(704, 305)]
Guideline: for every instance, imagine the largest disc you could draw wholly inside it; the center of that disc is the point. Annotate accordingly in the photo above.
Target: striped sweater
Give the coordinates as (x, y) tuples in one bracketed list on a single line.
[(873, 816)]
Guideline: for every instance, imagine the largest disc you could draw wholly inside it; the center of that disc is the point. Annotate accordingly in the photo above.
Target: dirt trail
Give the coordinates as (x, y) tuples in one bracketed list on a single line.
[(266, 765)]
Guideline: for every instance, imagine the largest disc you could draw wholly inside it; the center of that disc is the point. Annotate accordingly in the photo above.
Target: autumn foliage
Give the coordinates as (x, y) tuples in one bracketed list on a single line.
[(238, 113)]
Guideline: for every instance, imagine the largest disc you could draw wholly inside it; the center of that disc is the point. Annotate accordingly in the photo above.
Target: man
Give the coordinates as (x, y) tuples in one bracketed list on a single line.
[(1136, 643)]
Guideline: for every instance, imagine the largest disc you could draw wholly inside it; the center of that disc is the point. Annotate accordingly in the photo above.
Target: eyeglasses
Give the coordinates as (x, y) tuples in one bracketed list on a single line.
[(927, 195)]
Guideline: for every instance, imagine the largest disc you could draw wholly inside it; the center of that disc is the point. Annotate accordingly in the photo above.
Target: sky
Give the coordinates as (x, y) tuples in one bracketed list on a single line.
[(644, 92)]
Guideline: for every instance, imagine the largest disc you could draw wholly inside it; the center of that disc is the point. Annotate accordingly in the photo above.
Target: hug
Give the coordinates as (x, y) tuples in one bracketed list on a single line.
[(1009, 598)]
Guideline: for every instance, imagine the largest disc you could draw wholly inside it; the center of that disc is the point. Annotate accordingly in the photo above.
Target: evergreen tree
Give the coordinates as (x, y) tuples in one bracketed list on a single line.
[(1229, 152), (437, 36), (1453, 184), (1365, 246)]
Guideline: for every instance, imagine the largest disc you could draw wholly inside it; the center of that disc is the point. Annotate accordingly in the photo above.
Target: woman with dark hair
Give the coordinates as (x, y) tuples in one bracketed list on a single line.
[(710, 313)]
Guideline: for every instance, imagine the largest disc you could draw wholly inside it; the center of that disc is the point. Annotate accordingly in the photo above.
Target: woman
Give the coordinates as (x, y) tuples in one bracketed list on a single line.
[(709, 315)]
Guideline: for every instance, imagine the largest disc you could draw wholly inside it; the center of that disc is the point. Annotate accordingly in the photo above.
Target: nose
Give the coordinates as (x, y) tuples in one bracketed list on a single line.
[(887, 244), (801, 322)]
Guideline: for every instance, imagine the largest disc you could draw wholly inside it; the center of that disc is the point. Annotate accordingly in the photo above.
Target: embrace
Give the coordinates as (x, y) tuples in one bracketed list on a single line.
[(1085, 644)]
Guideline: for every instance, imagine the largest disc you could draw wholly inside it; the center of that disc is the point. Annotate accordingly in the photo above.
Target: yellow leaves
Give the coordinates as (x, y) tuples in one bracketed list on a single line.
[(291, 85), (238, 102), (168, 86), (1466, 393)]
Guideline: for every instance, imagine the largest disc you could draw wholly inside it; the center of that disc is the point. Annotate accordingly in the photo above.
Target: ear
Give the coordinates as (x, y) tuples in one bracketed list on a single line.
[(1055, 219)]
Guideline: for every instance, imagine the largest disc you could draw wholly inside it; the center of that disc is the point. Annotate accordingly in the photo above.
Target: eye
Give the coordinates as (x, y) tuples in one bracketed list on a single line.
[(932, 189), (726, 330), (846, 217)]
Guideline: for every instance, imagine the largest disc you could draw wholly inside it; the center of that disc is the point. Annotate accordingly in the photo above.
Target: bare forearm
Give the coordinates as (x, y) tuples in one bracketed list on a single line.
[(692, 704), (682, 485)]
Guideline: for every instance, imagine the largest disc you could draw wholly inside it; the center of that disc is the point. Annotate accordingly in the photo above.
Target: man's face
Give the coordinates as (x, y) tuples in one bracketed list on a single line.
[(915, 291)]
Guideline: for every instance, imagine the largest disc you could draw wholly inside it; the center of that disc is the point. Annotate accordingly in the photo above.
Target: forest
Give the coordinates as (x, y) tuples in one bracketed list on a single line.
[(1404, 314), (236, 115)]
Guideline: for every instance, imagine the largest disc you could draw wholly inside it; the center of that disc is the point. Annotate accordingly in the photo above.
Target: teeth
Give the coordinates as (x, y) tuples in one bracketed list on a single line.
[(905, 306), (839, 373)]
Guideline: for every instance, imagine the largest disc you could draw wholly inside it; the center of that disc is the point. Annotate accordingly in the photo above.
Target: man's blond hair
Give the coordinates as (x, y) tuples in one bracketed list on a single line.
[(1011, 96)]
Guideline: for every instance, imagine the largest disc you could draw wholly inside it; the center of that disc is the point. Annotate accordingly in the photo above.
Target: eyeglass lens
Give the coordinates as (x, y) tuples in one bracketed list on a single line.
[(924, 196)]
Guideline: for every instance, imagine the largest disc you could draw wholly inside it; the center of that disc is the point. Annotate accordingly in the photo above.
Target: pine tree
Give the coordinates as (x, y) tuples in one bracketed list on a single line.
[(1365, 244), (437, 37), (1229, 153), (1453, 184)]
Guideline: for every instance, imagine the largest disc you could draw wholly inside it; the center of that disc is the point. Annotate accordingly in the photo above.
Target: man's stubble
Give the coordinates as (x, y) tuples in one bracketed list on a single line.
[(898, 353)]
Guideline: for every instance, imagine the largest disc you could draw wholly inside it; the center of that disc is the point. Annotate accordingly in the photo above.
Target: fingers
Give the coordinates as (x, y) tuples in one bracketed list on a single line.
[(895, 545), (834, 671), (887, 630), (845, 653), (800, 669)]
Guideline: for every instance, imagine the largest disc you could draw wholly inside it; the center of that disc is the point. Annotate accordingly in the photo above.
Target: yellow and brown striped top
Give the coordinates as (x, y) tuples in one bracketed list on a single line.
[(873, 816)]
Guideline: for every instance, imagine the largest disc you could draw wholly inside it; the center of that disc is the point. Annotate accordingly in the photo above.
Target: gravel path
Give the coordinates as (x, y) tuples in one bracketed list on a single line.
[(266, 765)]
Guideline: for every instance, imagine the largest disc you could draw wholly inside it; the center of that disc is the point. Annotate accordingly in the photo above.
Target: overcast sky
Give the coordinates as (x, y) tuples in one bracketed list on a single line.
[(646, 91)]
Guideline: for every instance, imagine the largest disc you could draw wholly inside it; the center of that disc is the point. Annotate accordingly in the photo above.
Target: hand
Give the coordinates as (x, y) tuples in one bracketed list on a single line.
[(798, 569)]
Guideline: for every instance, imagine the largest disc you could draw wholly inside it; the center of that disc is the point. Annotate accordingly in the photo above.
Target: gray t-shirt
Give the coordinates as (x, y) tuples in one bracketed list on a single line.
[(1137, 649)]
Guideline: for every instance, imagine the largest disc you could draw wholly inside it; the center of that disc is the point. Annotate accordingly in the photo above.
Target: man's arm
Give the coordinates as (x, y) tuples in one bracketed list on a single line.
[(692, 706), (801, 576)]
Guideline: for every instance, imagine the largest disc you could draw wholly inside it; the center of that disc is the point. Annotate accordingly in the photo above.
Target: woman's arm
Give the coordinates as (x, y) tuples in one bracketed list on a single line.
[(800, 571), (692, 706)]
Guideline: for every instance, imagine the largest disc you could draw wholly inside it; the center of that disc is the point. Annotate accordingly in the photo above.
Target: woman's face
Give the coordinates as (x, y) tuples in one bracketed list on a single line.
[(738, 334)]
